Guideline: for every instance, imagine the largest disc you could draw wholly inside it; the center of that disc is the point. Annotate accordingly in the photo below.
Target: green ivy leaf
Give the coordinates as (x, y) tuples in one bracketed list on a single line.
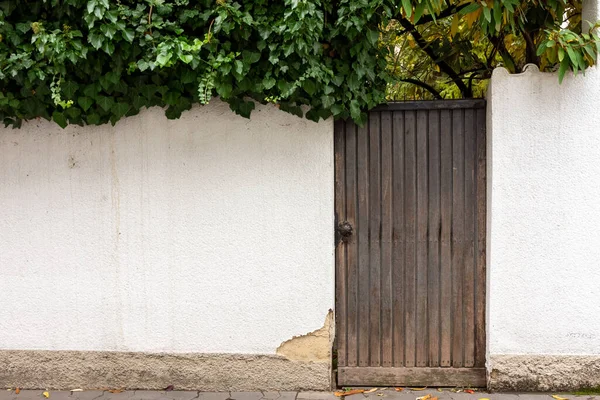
[(96, 40), (59, 118), (93, 119), (245, 108), (85, 102), (128, 35), (105, 102), (250, 56), (69, 88), (120, 109), (268, 83)]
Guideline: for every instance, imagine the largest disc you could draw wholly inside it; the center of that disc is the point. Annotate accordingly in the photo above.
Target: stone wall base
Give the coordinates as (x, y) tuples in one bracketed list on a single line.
[(64, 370), (543, 372)]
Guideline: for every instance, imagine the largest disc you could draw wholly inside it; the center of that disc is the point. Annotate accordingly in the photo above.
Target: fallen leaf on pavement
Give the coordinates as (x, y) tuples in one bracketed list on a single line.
[(556, 397), (371, 390), (417, 389), (17, 391), (115, 390), (426, 397), (469, 391), (399, 389), (349, 392), (440, 390), (484, 398), (380, 394), (46, 394)]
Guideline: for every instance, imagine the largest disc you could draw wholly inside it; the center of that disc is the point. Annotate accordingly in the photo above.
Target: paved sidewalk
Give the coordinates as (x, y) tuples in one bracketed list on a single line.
[(387, 394)]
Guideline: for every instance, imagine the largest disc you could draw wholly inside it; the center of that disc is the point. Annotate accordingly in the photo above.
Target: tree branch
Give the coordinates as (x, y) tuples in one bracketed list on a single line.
[(448, 12), (424, 85), (444, 66)]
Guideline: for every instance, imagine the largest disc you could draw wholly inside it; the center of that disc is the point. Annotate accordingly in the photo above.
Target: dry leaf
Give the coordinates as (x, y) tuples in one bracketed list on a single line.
[(440, 390), (417, 389), (349, 392), (556, 397), (46, 394), (470, 391), (169, 388), (371, 390), (434, 398), (380, 394), (484, 399), (399, 389), (115, 390), (426, 397), (17, 390)]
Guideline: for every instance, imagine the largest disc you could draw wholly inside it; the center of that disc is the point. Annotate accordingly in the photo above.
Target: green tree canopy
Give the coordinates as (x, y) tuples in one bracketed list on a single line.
[(95, 61)]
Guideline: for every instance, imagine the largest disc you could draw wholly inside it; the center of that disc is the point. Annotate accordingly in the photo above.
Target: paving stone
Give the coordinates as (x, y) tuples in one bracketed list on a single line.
[(316, 396), (213, 395), (125, 395), (272, 395), (87, 395), (246, 395), (162, 395), (288, 395), (530, 396)]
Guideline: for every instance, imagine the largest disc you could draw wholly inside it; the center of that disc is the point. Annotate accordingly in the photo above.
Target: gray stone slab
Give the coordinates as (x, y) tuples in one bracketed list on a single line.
[(125, 395), (87, 395), (246, 395), (317, 396), (288, 395), (162, 395), (213, 395), (529, 396)]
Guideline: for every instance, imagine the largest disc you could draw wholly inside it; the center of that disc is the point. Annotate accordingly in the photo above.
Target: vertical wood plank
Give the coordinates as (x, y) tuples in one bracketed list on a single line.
[(340, 249), (421, 243), (458, 221), (362, 229), (410, 211), (375, 238), (398, 252), (469, 260), (433, 279), (445, 238), (386, 239), (351, 246), (480, 271)]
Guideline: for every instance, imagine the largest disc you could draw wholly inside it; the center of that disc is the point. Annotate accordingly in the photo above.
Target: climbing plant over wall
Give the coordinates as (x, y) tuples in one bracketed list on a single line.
[(96, 61)]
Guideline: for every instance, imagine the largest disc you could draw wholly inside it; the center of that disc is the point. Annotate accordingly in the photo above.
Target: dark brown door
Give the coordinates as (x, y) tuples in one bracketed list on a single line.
[(410, 254)]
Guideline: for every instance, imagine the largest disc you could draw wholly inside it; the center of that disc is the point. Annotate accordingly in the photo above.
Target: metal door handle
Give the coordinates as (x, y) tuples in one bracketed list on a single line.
[(345, 230)]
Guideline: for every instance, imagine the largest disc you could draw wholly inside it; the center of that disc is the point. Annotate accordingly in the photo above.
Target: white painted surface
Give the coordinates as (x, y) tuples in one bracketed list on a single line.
[(544, 213), (212, 233)]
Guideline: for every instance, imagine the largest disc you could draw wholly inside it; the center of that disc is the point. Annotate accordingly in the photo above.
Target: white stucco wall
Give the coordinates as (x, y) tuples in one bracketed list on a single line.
[(211, 234), (544, 213)]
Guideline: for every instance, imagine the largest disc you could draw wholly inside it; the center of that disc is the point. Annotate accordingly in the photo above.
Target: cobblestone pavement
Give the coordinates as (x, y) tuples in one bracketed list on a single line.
[(383, 394)]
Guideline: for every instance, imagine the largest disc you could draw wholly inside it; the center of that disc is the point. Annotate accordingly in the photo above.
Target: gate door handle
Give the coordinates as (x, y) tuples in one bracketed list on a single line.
[(345, 230)]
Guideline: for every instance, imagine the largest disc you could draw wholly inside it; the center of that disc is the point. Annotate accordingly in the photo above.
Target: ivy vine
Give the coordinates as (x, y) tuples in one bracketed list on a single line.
[(96, 61)]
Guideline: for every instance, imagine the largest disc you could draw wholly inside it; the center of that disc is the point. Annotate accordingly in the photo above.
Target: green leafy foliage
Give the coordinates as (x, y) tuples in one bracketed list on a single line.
[(96, 61), (453, 55), (101, 60)]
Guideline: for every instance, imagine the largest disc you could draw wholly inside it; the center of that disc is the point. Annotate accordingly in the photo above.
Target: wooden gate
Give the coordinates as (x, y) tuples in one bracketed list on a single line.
[(410, 254)]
